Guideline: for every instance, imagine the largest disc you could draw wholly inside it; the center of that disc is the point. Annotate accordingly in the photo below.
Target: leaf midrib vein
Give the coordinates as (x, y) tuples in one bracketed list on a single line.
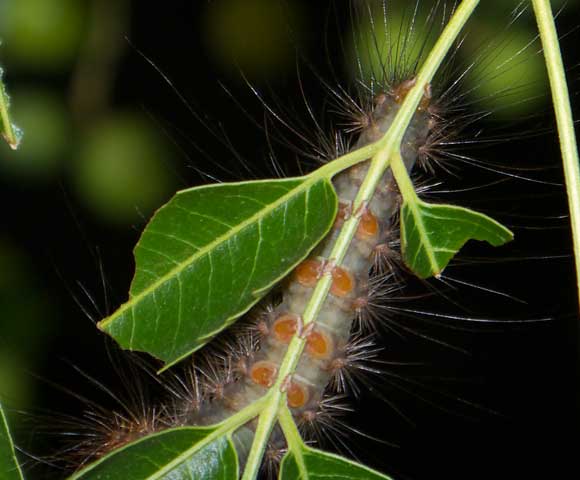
[(308, 183), (414, 205)]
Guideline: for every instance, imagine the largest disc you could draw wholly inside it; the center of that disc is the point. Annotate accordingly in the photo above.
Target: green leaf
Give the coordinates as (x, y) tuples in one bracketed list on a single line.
[(177, 454), (211, 253), (432, 234), (10, 132), (310, 464), (9, 467)]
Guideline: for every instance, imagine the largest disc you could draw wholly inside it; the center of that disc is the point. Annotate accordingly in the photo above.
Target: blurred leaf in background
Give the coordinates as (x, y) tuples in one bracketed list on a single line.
[(122, 170), (257, 36), (42, 114), (507, 77), (376, 47), (26, 315), (118, 164), (41, 34), (503, 73)]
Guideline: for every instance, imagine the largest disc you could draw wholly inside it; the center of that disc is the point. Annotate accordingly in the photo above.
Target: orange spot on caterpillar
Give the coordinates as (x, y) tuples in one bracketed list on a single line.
[(263, 373), (342, 282), (285, 327), (368, 226), (297, 395), (308, 272), (319, 344)]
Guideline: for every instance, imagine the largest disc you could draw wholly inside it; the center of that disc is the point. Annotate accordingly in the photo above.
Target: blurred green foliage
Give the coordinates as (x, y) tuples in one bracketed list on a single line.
[(116, 164), (508, 76), (504, 73), (26, 315), (43, 115), (122, 169), (253, 35), (395, 46), (41, 34)]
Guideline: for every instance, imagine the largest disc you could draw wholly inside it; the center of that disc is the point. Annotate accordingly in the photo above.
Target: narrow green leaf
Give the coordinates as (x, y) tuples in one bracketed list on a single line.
[(432, 234), (310, 464), (177, 454), (9, 467), (564, 119), (10, 133), (211, 253)]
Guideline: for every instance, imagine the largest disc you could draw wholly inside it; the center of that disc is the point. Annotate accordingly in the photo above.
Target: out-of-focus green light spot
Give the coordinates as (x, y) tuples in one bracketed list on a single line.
[(25, 319), (512, 4), (43, 116), (389, 51), (12, 271), (122, 169), (508, 77), (15, 389), (41, 33), (253, 34)]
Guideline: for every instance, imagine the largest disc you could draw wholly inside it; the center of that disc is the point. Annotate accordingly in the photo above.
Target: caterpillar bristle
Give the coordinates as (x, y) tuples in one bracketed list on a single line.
[(186, 397), (325, 424), (111, 430), (273, 456), (371, 308), (352, 362), (129, 413), (215, 374)]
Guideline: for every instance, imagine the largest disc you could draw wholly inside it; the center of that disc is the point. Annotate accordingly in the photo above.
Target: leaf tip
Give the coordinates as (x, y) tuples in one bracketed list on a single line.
[(164, 368), (509, 235), (103, 324), (505, 235)]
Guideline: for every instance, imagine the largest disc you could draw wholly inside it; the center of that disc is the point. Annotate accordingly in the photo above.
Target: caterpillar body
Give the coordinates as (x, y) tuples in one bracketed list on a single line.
[(327, 341)]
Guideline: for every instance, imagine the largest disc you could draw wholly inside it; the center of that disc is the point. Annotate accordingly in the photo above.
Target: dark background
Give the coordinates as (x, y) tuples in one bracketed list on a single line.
[(506, 408)]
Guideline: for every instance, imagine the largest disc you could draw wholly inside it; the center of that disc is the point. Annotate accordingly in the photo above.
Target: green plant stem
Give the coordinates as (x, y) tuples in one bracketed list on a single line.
[(9, 465), (383, 151), (292, 435), (410, 197), (564, 121), (7, 130), (290, 430)]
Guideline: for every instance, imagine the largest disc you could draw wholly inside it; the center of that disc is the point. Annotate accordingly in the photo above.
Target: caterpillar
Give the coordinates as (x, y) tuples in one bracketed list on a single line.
[(236, 371)]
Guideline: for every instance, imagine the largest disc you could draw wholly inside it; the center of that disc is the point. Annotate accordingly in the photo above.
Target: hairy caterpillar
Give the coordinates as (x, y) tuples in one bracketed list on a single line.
[(208, 371)]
